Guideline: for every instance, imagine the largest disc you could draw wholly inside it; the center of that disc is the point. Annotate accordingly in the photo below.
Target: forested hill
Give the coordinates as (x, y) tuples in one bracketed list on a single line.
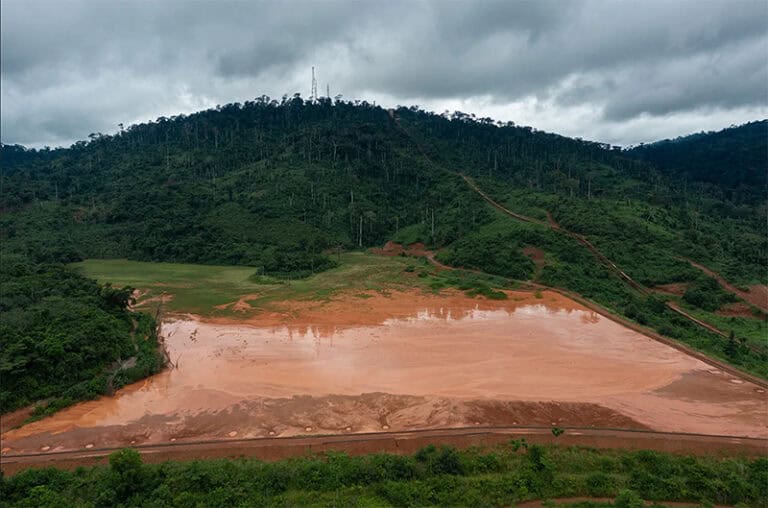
[(274, 184), (733, 159), (256, 183)]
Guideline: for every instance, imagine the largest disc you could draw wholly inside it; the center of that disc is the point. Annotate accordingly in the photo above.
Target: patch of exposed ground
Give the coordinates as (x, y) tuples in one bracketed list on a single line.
[(163, 298), (417, 249), (536, 255), (241, 305), (552, 222), (738, 309), (758, 296), (15, 418), (677, 288)]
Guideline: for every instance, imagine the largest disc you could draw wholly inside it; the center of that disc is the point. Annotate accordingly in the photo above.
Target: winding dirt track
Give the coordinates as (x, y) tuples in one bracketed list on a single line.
[(272, 449)]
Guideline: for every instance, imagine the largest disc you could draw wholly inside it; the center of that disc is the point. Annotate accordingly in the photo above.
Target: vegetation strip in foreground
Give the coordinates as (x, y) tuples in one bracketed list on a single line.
[(509, 473)]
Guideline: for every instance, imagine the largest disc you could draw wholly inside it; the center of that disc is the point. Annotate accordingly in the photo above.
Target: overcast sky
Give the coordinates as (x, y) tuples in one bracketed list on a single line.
[(618, 72)]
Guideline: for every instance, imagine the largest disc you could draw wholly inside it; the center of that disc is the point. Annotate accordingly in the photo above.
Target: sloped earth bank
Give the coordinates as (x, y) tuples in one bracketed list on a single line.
[(401, 362)]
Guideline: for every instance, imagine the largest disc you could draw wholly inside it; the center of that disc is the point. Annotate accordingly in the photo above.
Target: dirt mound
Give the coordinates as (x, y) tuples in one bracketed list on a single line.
[(417, 249)]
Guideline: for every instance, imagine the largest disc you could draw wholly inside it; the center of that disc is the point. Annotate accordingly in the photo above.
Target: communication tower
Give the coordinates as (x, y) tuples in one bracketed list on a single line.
[(313, 95)]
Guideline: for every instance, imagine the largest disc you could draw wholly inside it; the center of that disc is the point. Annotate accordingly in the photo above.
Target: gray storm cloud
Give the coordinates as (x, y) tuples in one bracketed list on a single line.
[(620, 72)]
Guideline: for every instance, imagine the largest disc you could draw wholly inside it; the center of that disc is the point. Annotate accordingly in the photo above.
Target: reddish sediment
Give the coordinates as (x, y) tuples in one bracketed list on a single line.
[(406, 361)]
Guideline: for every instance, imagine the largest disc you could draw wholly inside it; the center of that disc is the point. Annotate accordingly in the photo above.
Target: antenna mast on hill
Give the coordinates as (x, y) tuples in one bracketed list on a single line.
[(328, 90), (313, 95)]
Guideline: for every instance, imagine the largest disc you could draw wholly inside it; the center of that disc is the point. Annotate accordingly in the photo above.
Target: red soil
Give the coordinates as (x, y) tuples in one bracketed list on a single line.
[(552, 222), (536, 255), (677, 288), (758, 296), (15, 418), (240, 305), (271, 449), (391, 248), (738, 309)]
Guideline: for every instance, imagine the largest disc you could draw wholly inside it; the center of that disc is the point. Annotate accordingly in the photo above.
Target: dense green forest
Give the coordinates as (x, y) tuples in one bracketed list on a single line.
[(64, 338), (433, 476), (276, 185), (272, 184), (732, 161)]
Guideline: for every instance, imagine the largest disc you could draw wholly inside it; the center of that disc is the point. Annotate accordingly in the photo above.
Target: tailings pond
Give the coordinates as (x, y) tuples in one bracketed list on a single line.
[(370, 362)]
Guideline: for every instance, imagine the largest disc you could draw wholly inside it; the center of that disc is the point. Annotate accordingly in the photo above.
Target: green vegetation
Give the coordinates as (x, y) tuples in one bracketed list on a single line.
[(433, 476), (200, 289), (207, 290), (706, 294), (472, 283), (701, 157), (750, 330), (64, 338), (189, 288)]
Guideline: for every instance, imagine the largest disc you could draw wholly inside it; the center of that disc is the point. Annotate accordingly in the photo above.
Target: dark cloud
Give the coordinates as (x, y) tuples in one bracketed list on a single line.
[(621, 72)]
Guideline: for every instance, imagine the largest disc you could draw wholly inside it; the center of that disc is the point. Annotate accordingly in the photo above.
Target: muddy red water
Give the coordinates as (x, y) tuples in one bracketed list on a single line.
[(407, 361)]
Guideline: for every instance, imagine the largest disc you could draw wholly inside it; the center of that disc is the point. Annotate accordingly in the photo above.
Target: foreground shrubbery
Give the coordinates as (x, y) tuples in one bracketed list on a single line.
[(432, 477), (63, 337)]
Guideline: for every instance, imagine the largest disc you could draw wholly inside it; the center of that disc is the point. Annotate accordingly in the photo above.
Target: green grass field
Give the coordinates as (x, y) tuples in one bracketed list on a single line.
[(753, 329), (199, 289)]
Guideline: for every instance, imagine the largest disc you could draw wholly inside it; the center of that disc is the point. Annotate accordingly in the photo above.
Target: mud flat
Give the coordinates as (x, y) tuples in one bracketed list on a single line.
[(405, 361)]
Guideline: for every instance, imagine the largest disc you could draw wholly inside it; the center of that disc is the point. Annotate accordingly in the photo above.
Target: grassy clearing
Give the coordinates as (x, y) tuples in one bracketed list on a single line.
[(501, 476), (205, 289), (752, 329), (200, 289)]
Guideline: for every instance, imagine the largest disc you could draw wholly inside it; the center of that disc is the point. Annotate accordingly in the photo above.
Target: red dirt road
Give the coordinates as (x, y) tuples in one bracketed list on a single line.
[(272, 449)]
